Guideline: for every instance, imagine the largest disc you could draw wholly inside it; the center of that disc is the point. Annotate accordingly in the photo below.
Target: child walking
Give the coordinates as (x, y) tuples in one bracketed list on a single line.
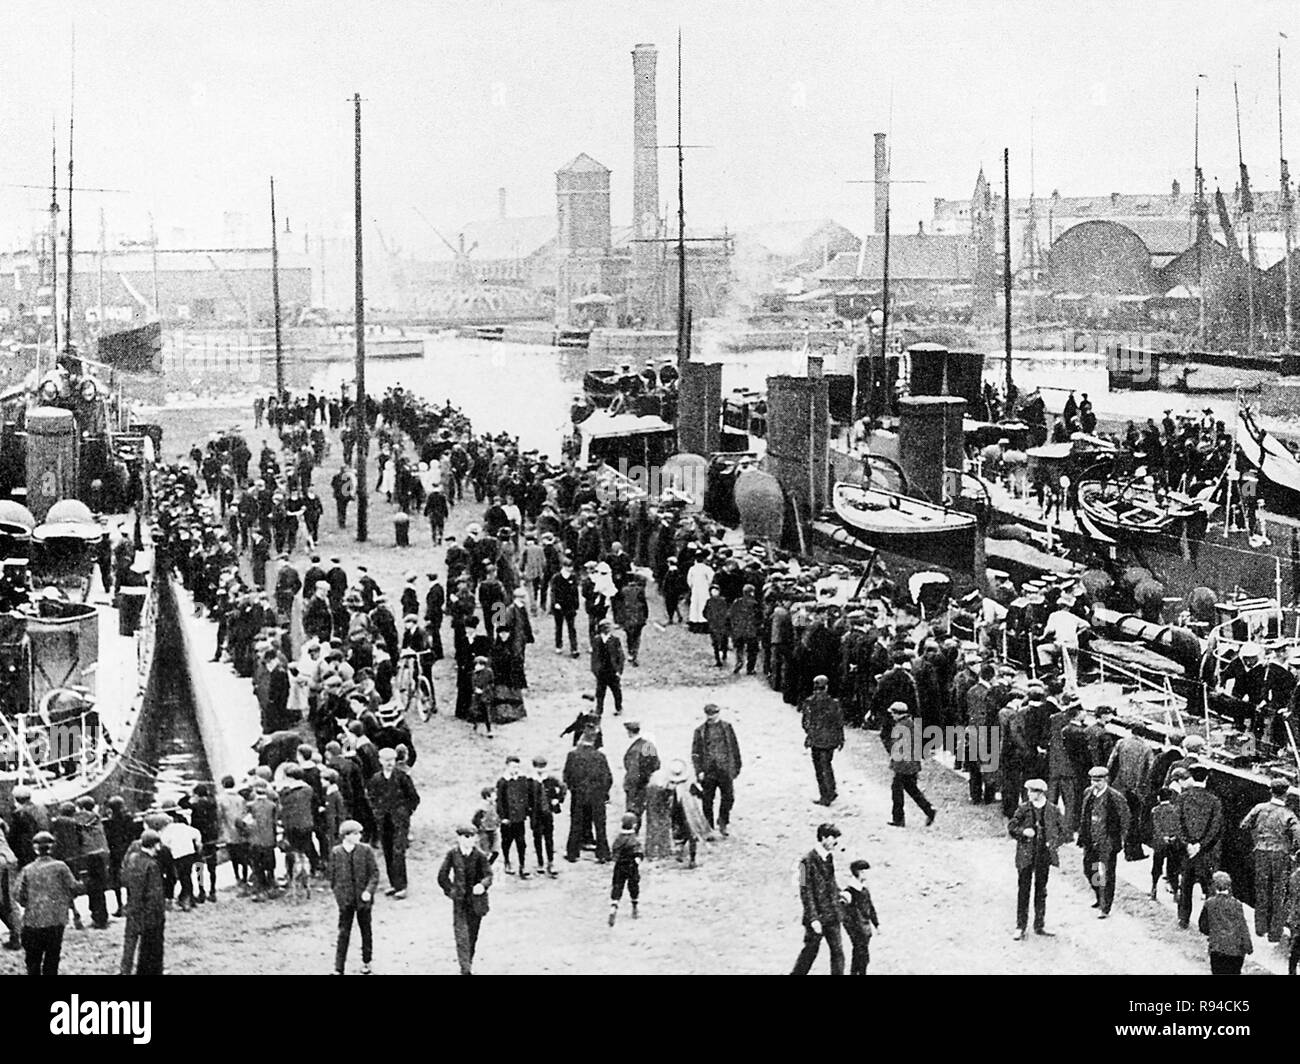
[(488, 824), (860, 920), (627, 854)]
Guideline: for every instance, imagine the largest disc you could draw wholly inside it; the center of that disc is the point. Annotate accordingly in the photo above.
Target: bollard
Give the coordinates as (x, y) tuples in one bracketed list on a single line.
[(402, 529)]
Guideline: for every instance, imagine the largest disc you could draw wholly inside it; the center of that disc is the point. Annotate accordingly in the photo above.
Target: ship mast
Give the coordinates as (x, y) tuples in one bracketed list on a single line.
[(1247, 212), (54, 238), (1288, 207)]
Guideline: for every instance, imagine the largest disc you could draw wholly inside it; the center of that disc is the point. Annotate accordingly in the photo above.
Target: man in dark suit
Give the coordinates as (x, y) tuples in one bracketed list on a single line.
[(715, 755), (146, 908), (587, 775), (393, 799), (1103, 825), (820, 896), (465, 877), (1200, 817), (1038, 830), (640, 762), (354, 877), (823, 725), (607, 662)]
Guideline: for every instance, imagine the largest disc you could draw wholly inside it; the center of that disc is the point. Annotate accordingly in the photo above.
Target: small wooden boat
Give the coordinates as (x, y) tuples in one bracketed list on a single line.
[(1133, 509), (601, 385), (897, 524)]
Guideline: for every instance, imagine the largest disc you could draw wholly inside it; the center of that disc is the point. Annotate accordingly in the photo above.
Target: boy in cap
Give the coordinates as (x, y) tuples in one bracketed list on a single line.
[(547, 800), (1223, 921), (1039, 830), (487, 823), (859, 915), (627, 853), (354, 876)]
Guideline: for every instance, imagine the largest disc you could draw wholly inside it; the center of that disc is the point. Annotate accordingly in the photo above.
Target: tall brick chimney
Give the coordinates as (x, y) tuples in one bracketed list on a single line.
[(645, 176), (501, 202), (645, 141), (882, 181)]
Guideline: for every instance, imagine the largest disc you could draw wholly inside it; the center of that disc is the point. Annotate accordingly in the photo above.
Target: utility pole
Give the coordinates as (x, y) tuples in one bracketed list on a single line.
[(103, 241), (1288, 205), (72, 104), (1006, 265), (275, 299), (683, 337), (153, 250), (363, 429)]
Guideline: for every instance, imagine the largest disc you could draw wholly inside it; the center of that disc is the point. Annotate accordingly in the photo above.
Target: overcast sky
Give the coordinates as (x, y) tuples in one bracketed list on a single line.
[(191, 106)]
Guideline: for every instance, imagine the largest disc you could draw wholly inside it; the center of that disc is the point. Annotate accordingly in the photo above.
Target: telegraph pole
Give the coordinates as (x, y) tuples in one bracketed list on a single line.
[(1006, 263), (275, 299), (363, 429), (1288, 206)]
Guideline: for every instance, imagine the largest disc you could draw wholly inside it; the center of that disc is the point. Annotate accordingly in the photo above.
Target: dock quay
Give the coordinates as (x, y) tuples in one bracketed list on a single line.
[(225, 705)]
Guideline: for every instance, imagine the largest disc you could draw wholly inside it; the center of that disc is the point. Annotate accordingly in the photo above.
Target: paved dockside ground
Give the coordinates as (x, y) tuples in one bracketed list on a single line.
[(945, 894)]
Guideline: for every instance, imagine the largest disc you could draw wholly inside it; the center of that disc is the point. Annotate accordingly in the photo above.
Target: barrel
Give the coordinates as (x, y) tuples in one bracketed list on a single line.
[(130, 608), (51, 458)]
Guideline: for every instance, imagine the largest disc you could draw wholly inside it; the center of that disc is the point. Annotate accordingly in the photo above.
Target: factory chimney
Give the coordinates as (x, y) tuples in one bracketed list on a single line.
[(501, 203), (882, 182), (645, 179), (645, 143)]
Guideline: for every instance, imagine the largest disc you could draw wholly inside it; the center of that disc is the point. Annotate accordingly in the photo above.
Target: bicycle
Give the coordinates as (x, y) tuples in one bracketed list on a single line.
[(413, 688)]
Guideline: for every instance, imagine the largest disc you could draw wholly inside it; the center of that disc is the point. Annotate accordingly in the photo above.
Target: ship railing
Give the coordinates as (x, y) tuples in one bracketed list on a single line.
[(1172, 702), (87, 753)]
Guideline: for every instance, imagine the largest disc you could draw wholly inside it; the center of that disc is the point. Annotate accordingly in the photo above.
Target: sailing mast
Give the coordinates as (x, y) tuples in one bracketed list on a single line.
[(54, 236), (1288, 205), (1247, 212)]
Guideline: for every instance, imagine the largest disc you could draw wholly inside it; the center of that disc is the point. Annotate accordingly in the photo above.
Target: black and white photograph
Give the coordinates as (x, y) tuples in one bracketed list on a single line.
[(560, 487)]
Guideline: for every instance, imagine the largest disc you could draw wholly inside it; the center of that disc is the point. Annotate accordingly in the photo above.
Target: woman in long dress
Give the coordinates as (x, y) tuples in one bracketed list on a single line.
[(507, 672), (687, 812), (698, 581), (658, 816)]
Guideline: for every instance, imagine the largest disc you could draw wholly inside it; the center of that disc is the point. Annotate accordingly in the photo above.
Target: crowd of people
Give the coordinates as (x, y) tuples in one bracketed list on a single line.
[(329, 654)]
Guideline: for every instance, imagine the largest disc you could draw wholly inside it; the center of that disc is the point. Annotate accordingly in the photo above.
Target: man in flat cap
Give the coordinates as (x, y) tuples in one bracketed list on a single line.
[(823, 725), (465, 877), (1102, 828), (354, 877), (44, 891), (1275, 834), (901, 737), (1039, 831)]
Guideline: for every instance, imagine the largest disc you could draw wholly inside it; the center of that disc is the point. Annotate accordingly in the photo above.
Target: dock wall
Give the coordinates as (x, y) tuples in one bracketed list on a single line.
[(225, 706)]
